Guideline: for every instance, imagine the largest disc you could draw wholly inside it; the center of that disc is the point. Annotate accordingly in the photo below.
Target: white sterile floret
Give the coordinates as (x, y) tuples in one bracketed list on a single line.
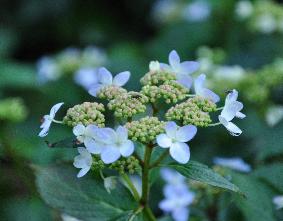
[(47, 70), (183, 70), (83, 161), (274, 115), (105, 78), (202, 91), (113, 144), (234, 163), (231, 109), (172, 177), (48, 119), (110, 183), (197, 11), (175, 138), (278, 201), (86, 135), (154, 66), (244, 9), (86, 77)]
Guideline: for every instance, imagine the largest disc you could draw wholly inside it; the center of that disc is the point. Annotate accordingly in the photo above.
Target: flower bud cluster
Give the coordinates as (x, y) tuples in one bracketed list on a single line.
[(97, 163), (145, 130), (128, 104), (111, 92), (85, 113), (157, 77), (126, 165), (171, 91), (189, 112), (204, 104), (13, 109)]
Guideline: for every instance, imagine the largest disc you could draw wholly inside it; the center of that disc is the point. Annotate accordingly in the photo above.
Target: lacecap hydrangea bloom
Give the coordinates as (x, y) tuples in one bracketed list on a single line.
[(161, 118)]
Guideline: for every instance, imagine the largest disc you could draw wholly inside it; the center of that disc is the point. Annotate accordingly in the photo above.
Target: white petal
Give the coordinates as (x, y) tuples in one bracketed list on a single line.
[(189, 67), (122, 133), (95, 89), (54, 109), (186, 133), (110, 154), (165, 67), (45, 129), (186, 81), (174, 59), (105, 77), (210, 95), (89, 142), (127, 148), (171, 128), (46, 121), (83, 172), (199, 83), (167, 205), (96, 148), (240, 115), (180, 152), (180, 214), (91, 130), (105, 135), (121, 78), (232, 96), (79, 162), (233, 129), (163, 140), (79, 130), (230, 109)]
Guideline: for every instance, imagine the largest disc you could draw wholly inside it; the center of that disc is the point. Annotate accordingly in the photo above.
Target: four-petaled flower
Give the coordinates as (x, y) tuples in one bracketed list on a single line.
[(48, 119), (83, 161), (183, 70), (113, 144), (202, 91), (105, 78), (175, 138), (86, 135), (231, 109)]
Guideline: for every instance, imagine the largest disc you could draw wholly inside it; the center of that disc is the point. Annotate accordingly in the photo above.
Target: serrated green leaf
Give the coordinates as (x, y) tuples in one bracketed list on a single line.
[(273, 174), (84, 198), (199, 172), (257, 205)]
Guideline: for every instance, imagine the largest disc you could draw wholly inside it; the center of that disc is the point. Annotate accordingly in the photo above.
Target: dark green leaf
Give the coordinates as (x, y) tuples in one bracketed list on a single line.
[(84, 198), (202, 173)]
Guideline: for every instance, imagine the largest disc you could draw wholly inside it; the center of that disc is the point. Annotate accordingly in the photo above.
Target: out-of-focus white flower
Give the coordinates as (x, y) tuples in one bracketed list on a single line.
[(175, 138), (201, 91), (278, 201), (234, 163), (93, 56), (177, 196), (165, 10), (266, 23), (83, 161), (183, 70), (154, 66), (231, 109), (48, 119), (47, 70), (105, 78), (86, 135), (86, 77), (231, 73), (110, 183), (113, 143), (244, 9), (196, 11), (274, 115), (66, 217)]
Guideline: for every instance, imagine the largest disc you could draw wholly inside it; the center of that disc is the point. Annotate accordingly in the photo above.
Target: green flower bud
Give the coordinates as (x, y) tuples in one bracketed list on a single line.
[(126, 165), (85, 113), (128, 104), (13, 109), (204, 104), (97, 163), (145, 130), (157, 77), (189, 112), (111, 92)]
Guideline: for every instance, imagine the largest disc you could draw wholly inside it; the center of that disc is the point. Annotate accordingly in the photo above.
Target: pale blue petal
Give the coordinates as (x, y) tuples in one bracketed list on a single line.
[(165, 67), (110, 154), (122, 133), (46, 121), (163, 140), (45, 129), (240, 115), (95, 89), (189, 67), (180, 152), (89, 142), (172, 176), (199, 84), (180, 214), (105, 135), (122, 78), (167, 205), (83, 172), (186, 133), (91, 130), (79, 130), (54, 109), (230, 109), (105, 77), (127, 148), (86, 77), (234, 163), (210, 95), (174, 59), (185, 81), (171, 128), (232, 96), (233, 129)]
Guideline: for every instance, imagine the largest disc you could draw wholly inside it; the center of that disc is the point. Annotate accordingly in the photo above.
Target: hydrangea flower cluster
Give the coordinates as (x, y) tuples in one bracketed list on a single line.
[(143, 121)]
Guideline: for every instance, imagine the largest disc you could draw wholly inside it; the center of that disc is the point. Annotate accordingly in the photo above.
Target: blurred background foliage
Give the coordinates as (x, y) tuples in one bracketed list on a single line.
[(234, 49)]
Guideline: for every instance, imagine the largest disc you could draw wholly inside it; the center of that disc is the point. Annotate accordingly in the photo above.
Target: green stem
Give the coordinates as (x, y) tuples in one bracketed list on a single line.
[(149, 214), (160, 159), (136, 212), (219, 108), (215, 124), (57, 121), (131, 186)]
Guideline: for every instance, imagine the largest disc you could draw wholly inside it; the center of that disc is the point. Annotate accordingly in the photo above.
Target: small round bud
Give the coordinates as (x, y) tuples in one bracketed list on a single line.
[(157, 77), (126, 165), (110, 92), (85, 113)]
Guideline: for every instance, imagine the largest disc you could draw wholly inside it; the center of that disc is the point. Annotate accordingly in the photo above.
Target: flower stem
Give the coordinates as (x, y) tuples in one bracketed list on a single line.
[(57, 121), (145, 183), (215, 124), (160, 159), (219, 108), (131, 186)]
